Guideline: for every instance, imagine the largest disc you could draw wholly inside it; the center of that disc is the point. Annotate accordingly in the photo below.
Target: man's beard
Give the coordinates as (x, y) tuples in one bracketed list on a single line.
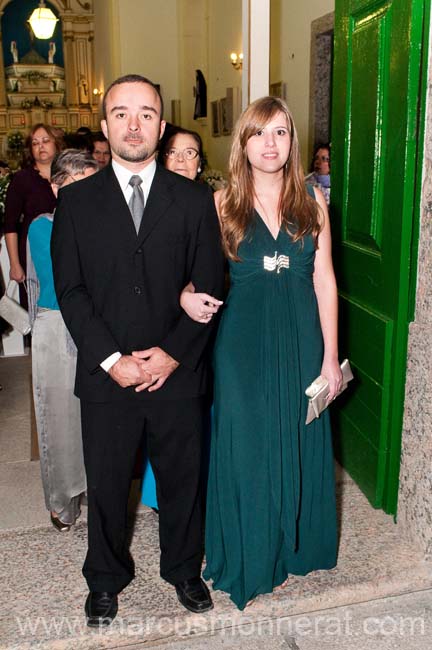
[(137, 154)]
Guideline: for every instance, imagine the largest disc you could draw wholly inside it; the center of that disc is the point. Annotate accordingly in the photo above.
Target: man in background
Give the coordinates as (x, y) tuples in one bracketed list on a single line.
[(101, 151)]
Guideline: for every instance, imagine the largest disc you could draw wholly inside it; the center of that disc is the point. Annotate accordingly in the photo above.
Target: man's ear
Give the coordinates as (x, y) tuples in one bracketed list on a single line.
[(104, 128), (162, 128)]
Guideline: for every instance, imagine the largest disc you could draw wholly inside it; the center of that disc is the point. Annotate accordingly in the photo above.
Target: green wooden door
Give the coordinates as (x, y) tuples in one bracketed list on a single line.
[(377, 75)]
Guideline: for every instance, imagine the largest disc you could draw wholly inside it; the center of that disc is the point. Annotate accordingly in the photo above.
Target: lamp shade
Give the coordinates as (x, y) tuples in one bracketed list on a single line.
[(43, 22)]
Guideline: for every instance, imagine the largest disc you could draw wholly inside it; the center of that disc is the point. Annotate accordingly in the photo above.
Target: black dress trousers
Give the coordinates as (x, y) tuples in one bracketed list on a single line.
[(112, 434)]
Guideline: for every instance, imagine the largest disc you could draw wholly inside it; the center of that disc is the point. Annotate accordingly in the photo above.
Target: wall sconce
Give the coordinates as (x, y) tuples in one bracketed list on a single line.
[(97, 92), (236, 60), (43, 21)]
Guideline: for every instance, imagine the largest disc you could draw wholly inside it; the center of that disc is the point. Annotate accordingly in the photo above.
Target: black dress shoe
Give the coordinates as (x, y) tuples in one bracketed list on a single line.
[(194, 595), (101, 608)]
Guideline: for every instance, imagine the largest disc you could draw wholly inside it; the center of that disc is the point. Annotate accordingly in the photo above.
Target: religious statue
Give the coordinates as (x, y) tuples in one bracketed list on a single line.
[(14, 51), (51, 52), (83, 90)]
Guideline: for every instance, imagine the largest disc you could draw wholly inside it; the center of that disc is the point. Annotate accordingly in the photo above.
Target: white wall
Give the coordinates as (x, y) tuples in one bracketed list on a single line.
[(208, 31), (168, 40), (290, 55), (140, 37), (193, 55), (225, 36), (107, 54)]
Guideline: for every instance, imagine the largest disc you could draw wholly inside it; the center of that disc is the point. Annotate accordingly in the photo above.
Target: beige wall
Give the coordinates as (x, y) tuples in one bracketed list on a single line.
[(209, 30), (225, 35), (138, 36), (107, 56), (290, 55), (167, 41)]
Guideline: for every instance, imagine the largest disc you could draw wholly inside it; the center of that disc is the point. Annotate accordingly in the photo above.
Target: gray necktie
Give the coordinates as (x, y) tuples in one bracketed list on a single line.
[(136, 202)]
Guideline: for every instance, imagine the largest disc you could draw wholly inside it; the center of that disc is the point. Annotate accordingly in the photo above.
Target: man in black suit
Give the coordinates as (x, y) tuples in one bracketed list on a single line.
[(119, 269)]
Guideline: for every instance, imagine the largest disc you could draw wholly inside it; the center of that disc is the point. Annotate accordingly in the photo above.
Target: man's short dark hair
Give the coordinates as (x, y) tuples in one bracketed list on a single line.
[(98, 137), (131, 79)]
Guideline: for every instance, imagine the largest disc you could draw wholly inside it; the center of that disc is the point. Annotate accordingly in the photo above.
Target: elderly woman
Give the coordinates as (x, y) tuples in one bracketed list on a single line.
[(29, 194), (53, 362), (181, 152)]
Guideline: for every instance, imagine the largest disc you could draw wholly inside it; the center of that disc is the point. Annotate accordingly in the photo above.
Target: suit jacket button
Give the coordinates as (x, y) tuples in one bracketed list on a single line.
[(139, 250), (137, 290)]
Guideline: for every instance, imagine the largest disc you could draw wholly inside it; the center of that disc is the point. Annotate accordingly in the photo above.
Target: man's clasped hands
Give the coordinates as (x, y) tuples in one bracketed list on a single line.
[(144, 369)]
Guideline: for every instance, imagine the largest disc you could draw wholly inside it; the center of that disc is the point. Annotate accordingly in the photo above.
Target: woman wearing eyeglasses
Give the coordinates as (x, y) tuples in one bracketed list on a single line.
[(54, 360), (181, 152), (320, 170), (29, 194)]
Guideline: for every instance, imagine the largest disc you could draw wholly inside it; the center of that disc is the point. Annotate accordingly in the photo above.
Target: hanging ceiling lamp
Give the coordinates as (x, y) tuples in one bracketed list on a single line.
[(43, 21)]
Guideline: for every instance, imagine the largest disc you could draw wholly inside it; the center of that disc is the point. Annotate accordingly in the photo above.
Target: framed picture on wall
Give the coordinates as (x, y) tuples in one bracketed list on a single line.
[(215, 118), (225, 109), (233, 96), (278, 89), (176, 111)]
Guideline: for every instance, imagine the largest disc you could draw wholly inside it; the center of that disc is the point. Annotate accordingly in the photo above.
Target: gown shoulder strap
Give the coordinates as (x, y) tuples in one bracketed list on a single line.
[(310, 190)]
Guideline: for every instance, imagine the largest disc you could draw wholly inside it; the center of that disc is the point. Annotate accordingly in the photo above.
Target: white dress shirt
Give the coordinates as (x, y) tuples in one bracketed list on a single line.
[(123, 176)]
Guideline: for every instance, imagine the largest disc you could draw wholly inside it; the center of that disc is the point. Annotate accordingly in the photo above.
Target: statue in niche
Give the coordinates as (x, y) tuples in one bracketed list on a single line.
[(51, 52), (83, 90), (14, 51)]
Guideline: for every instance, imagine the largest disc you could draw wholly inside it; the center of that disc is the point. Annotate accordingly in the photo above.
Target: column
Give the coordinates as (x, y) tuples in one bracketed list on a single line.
[(3, 101), (256, 50)]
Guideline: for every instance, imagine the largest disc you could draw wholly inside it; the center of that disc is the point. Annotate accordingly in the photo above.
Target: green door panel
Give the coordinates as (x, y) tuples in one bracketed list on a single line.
[(363, 227), (359, 319), (375, 125), (365, 409), (364, 470)]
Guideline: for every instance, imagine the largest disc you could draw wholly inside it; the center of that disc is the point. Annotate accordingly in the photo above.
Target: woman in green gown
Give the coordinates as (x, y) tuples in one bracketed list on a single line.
[(271, 501)]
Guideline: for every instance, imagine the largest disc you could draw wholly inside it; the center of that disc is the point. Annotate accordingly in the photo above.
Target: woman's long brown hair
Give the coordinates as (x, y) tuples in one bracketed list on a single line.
[(299, 212)]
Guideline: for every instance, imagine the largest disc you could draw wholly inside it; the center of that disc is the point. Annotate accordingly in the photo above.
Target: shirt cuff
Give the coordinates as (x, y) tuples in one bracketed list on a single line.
[(110, 361)]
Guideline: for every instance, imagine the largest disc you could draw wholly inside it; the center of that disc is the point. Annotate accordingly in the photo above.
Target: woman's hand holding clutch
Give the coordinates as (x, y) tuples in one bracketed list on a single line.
[(319, 391), (331, 371)]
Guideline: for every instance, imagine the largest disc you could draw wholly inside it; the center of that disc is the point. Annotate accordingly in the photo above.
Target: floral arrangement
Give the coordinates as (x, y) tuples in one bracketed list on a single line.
[(15, 141), (4, 184), (33, 76), (214, 178), (43, 103)]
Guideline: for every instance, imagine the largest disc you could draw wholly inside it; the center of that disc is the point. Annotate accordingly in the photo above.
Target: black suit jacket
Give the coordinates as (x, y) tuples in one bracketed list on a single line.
[(120, 291)]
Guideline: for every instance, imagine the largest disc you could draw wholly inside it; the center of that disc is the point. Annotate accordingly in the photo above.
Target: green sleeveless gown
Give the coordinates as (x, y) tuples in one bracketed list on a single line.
[(271, 500)]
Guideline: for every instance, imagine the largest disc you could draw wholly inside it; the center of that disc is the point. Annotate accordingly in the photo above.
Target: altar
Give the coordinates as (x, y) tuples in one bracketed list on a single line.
[(29, 85), (56, 88)]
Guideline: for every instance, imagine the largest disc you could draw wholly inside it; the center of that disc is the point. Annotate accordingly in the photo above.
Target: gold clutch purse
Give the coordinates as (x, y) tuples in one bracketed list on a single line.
[(319, 389)]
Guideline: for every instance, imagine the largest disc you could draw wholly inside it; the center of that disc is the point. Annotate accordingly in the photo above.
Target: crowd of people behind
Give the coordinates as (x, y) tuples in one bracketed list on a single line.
[(123, 275)]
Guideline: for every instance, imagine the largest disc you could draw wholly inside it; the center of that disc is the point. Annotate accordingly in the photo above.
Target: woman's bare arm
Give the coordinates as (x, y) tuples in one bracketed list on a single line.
[(326, 292)]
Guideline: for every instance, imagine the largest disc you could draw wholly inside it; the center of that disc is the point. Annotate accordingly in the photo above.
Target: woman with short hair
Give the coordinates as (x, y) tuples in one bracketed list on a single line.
[(54, 362)]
